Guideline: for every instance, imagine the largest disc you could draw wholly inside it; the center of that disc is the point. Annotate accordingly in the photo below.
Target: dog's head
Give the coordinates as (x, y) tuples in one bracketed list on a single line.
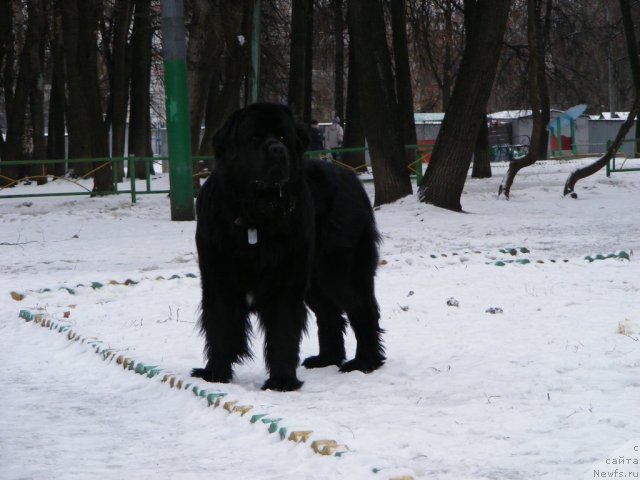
[(262, 143), (260, 150)]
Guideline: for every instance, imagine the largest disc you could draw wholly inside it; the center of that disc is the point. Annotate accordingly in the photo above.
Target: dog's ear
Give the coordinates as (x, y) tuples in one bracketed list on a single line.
[(304, 138), (222, 137)]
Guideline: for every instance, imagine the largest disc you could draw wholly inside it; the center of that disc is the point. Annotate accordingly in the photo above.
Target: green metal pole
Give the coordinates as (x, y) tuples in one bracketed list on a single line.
[(559, 136), (254, 78), (114, 176), (177, 105), (147, 172), (418, 155), (574, 147), (131, 170)]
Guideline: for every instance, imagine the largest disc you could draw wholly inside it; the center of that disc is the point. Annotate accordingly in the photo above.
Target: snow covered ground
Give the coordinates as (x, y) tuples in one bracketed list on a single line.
[(545, 387)]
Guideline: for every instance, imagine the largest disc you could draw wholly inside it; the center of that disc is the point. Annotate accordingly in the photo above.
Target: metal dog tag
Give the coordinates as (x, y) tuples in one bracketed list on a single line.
[(252, 236)]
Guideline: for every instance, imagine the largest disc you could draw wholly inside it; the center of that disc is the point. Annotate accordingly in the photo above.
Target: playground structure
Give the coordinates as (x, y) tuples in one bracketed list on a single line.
[(560, 143)]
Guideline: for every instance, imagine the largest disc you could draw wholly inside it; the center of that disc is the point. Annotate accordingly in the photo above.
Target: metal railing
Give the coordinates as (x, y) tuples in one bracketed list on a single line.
[(416, 168), (613, 167), (101, 163), (422, 155)]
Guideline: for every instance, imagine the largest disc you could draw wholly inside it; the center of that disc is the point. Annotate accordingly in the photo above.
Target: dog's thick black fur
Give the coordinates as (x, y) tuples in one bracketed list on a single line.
[(275, 231)]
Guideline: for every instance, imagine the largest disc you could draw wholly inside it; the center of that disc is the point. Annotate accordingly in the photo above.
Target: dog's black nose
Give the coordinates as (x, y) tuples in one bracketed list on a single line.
[(276, 150)]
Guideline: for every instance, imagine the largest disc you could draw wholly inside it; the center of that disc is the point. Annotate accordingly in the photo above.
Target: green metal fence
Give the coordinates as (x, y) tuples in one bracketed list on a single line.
[(416, 169), (422, 154), (612, 166), (101, 163)]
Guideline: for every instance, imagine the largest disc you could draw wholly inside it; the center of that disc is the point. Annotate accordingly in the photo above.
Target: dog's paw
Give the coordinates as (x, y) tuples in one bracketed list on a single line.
[(362, 365), (209, 376), (319, 361), (282, 384)]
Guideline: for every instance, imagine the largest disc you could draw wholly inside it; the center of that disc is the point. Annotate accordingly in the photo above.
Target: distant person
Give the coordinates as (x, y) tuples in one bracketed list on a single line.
[(333, 135), (317, 137)]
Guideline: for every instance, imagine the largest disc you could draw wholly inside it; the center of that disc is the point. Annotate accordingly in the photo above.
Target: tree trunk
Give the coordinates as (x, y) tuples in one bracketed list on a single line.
[(119, 79), (634, 62), (140, 115), (636, 147), (481, 160), (338, 35), (538, 95), (543, 85), (299, 11), (38, 29), (56, 148), (435, 38), (87, 135), (224, 93), (7, 45), (447, 65), (449, 165), (308, 67), (212, 120), (353, 125), (381, 117), (17, 101), (403, 77), (204, 57)]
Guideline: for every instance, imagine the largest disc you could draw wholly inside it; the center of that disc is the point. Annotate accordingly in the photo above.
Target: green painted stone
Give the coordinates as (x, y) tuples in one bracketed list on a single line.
[(257, 416)]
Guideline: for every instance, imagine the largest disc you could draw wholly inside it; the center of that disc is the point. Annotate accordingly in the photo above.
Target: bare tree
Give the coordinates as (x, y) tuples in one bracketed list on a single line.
[(300, 36), (481, 159), (87, 134), (57, 97), (140, 110), (224, 91), (354, 136), (118, 56), (634, 62), (16, 92), (436, 41), (37, 32), (6, 58), (538, 29), (205, 52), (485, 22), (404, 92), (338, 25), (382, 123)]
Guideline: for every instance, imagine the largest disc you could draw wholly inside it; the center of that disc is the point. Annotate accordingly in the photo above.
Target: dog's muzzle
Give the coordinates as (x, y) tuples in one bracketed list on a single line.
[(277, 166)]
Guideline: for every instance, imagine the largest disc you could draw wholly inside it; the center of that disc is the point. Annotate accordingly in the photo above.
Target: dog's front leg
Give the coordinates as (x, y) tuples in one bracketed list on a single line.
[(225, 325), (284, 322)]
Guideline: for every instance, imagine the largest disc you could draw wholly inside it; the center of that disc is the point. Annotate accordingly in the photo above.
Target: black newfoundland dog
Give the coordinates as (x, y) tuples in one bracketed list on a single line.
[(275, 231)]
